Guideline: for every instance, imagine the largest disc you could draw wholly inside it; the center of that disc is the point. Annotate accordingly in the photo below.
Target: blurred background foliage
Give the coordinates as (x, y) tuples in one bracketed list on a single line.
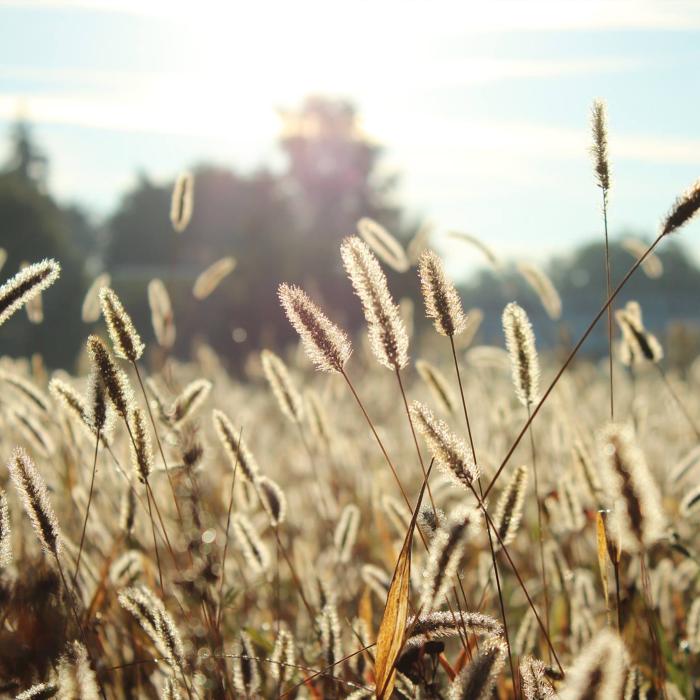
[(282, 225)]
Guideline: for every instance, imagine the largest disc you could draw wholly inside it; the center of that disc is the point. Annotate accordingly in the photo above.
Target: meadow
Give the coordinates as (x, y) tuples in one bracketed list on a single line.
[(351, 520)]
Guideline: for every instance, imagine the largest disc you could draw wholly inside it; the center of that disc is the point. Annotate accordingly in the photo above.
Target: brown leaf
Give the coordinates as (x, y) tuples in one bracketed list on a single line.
[(392, 630)]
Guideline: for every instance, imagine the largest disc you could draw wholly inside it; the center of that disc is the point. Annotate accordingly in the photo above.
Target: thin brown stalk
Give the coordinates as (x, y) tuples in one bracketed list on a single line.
[(378, 439), (415, 438), (87, 510), (540, 530), (608, 275), (677, 399), (488, 530), (81, 630), (160, 446), (568, 361)]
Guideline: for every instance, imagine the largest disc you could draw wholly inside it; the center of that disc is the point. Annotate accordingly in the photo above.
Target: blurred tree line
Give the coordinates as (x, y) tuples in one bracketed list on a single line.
[(279, 226)]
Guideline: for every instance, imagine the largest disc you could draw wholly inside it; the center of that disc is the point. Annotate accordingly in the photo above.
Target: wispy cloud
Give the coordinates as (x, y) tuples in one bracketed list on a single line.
[(475, 15)]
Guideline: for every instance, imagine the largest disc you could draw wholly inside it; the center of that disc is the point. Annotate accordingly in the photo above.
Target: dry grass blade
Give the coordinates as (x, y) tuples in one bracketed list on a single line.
[(392, 630)]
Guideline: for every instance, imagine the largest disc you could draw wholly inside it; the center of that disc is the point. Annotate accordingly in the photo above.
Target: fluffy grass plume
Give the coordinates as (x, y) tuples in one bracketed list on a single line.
[(90, 311), (478, 678), (509, 509), (162, 317), (652, 266), (683, 210), (638, 344), (277, 375), (599, 147), (543, 286), (438, 385), (599, 671), (637, 507), (114, 379), (236, 449), (212, 277), (327, 346), (477, 243), (520, 342), (182, 202), (442, 302), (5, 532), (35, 497), (384, 245), (122, 332), (25, 285), (387, 333), (450, 451)]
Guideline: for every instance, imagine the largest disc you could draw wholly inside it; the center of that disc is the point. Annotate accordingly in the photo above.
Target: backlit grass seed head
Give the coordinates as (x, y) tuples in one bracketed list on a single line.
[(331, 640), (599, 147), (438, 385), (36, 501), (162, 316), (283, 388), (239, 456), (25, 285), (114, 379), (683, 210), (652, 266), (397, 512), (26, 390), (631, 489), (156, 621), (5, 532), (451, 452), (376, 579), (520, 343), (90, 311), (477, 680), (317, 418), (38, 438), (273, 500), (449, 623), (141, 447), (690, 505), (387, 333), (125, 339), (170, 690), (39, 691), (526, 635), (384, 245), (127, 511), (246, 677), (327, 345), (509, 510), (98, 413), (182, 202), (445, 553), (693, 626), (442, 302), (189, 401), (570, 513), (283, 655), (254, 550), (346, 532), (75, 677), (534, 681), (639, 345), (125, 570), (599, 672), (543, 286), (212, 277), (479, 245)]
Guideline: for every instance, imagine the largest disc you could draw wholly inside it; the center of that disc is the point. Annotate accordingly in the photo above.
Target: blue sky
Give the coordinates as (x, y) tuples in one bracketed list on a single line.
[(482, 107)]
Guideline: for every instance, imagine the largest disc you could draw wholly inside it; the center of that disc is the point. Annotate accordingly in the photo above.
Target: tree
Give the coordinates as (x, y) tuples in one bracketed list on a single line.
[(279, 227)]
